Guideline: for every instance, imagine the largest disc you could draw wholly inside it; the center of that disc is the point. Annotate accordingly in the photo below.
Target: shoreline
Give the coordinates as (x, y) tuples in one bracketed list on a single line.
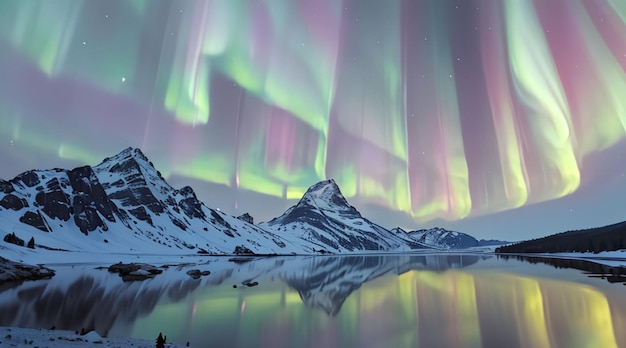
[(17, 336)]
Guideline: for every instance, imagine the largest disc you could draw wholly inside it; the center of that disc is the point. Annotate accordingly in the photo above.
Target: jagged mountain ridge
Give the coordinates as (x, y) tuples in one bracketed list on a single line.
[(123, 203), (324, 218), (440, 238)]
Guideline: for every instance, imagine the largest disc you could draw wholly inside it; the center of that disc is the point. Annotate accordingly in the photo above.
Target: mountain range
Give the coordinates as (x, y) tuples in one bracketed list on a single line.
[(124, 205)]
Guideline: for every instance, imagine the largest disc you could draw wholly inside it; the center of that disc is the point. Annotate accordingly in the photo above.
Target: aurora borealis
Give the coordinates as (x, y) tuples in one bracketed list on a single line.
[(475, 115)]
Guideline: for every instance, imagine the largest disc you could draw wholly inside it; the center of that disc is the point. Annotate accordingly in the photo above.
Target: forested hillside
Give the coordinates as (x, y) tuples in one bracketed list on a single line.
[(606, 238)]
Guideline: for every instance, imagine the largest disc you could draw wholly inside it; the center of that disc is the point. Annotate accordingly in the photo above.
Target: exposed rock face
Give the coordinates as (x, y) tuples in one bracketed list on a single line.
[(29, 179), (34, 219), (53, 201), (59, 195), (246, 217), (190, 204), (11, 201), (242, 250), (127, 193), (6, 187), (90, 203)]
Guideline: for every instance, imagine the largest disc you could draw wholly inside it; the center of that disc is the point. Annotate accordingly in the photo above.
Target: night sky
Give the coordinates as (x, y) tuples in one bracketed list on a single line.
[(503, 119)]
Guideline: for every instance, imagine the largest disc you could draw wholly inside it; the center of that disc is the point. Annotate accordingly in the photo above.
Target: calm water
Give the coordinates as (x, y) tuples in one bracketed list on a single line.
[(351, 301)]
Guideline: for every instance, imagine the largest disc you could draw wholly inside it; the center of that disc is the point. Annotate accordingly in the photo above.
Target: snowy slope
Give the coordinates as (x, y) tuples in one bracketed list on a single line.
[(324, 218), (123, 205)]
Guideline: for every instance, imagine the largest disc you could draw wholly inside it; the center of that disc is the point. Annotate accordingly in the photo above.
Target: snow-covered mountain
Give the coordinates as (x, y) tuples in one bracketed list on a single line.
[(324, 218), (123, 204), (440, 238)]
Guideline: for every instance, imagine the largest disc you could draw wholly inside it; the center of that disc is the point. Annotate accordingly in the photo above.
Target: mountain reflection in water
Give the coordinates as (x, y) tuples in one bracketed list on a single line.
[(375, 301)]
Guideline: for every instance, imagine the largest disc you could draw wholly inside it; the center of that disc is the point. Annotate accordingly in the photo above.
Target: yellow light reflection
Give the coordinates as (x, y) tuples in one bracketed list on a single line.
[(418, 308)]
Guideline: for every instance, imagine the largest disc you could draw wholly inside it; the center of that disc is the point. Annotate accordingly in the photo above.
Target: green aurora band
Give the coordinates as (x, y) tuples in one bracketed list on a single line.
[(438, 109)]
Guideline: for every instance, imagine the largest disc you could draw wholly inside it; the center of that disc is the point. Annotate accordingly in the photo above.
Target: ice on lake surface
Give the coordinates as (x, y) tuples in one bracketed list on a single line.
[(439, 300)]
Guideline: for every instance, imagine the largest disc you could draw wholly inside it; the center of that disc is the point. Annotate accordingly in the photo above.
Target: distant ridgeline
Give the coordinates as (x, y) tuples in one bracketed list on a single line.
[(607, 238)]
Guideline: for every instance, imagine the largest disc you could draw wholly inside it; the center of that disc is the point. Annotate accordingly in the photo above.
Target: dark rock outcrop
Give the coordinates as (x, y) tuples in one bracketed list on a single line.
[(60, 195), (15, 272), (53, 201), (31, 243), (29, 179), (134, 271), (13, 239), (190, 203), (6, 187), (242, 250), (196, 273), (90, 200), (246, 217), (34, 219), (11, 201)]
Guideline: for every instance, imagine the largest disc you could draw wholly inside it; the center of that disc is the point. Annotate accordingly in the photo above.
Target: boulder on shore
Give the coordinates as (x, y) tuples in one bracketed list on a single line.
[(17, 272)]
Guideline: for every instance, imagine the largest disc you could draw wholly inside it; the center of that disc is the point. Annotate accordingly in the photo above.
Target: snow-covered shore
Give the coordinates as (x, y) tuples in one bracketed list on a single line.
[(615, 258), (20, 337)]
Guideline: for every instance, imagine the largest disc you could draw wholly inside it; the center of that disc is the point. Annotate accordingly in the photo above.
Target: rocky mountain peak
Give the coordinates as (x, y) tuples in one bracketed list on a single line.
[(127, 154), (441, 238), (323, 185), (132, 169), (325, 194), (128, 160)]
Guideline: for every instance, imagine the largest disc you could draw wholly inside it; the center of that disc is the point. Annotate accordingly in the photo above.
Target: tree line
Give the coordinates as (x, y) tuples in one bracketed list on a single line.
[(606, 238)]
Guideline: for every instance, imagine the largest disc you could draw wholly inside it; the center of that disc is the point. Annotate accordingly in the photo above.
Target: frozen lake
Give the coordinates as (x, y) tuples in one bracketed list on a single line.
[(443, 300)]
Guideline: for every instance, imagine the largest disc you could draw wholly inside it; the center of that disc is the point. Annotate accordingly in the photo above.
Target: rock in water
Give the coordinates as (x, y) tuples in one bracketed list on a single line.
[(135, 271)]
